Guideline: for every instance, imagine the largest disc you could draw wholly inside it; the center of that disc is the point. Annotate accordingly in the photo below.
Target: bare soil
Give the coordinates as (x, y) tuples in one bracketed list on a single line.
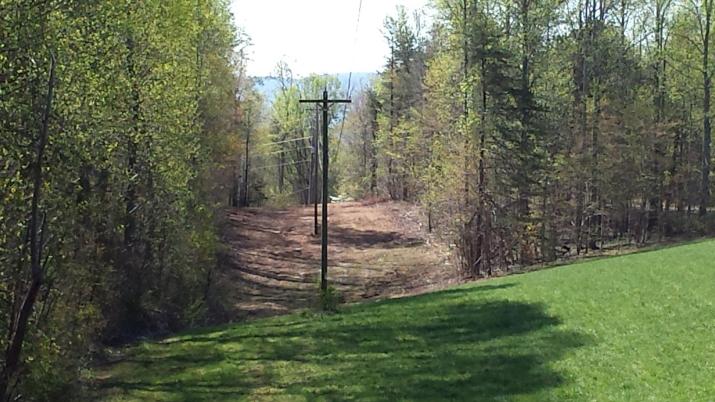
[(376, 250)]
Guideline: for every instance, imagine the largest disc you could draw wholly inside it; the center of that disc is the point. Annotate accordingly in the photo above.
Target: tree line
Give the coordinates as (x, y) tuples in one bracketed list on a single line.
[(118, 141), (534, 130)]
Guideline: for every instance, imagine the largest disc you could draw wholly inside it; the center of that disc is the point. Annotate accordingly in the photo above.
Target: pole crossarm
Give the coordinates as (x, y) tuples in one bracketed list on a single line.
[(323, 101)]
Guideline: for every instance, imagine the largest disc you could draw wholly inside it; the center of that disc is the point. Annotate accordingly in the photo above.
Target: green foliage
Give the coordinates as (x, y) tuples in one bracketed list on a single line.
[(533, 129), (143, 108), (554, 335)]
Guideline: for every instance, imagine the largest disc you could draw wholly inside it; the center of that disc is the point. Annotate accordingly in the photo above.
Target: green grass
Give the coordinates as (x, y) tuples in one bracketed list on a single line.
[(633, 328)]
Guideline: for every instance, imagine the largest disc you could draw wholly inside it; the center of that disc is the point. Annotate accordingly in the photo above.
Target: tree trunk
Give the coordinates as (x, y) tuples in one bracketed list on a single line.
[(281, 171), (465, 100), (483, 229), (525, 99), (19, 328), (705, 178)]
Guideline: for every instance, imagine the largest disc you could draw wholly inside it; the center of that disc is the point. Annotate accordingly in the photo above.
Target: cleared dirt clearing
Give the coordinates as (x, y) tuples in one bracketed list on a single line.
[(377, 250)]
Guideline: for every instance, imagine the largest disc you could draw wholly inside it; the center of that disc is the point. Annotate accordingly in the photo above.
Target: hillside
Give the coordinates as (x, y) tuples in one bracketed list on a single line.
[(632, 328), (268, 86)]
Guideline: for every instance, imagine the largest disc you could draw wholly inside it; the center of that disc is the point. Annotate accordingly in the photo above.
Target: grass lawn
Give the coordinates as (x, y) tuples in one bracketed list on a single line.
[(633, 328)]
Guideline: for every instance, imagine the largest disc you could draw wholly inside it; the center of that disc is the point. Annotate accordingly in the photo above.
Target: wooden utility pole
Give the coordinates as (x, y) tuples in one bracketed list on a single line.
[(324, 229), (315, 171)]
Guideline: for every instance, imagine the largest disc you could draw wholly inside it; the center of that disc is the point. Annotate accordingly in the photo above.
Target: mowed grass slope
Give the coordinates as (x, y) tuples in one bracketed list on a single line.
[(633, 328)]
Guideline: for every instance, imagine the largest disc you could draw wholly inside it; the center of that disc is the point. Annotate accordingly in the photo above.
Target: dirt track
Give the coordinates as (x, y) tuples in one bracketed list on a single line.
[(377, 250)]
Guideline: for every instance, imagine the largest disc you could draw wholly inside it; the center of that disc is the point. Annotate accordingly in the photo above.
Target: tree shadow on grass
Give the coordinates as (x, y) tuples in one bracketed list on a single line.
[(423, 348)]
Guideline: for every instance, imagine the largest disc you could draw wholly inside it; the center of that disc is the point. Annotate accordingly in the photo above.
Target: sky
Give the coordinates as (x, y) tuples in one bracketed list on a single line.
[(316, 36)]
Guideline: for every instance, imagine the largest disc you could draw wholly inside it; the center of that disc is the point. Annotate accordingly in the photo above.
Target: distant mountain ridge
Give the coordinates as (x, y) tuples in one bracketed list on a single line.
[(269, 85)]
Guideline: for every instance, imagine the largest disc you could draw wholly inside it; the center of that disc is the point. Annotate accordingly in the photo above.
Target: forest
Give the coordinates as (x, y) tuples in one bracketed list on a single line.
[(524, 132), (115, 150), (532, 130)]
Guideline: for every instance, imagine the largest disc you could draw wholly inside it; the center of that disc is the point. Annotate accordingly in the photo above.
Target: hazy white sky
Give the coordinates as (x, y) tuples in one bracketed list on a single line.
[(316, 36)]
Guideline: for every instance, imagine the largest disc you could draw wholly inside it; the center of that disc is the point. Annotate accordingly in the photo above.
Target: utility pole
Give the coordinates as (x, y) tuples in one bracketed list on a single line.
[(324, 229)]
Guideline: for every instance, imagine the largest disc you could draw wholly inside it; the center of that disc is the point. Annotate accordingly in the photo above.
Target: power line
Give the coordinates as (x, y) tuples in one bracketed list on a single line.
[(350, 76), (298, 191), (283, 142), (279, 152), (283, 164), (355, 41)]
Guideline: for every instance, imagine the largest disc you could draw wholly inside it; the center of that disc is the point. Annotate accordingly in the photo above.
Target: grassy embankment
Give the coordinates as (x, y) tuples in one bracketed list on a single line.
[(633, 328)]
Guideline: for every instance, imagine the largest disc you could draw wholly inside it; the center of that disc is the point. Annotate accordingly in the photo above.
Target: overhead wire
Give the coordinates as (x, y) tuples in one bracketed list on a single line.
[(280, 152), (299, 191), (284, 141), (350, 76), (283, 164)]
